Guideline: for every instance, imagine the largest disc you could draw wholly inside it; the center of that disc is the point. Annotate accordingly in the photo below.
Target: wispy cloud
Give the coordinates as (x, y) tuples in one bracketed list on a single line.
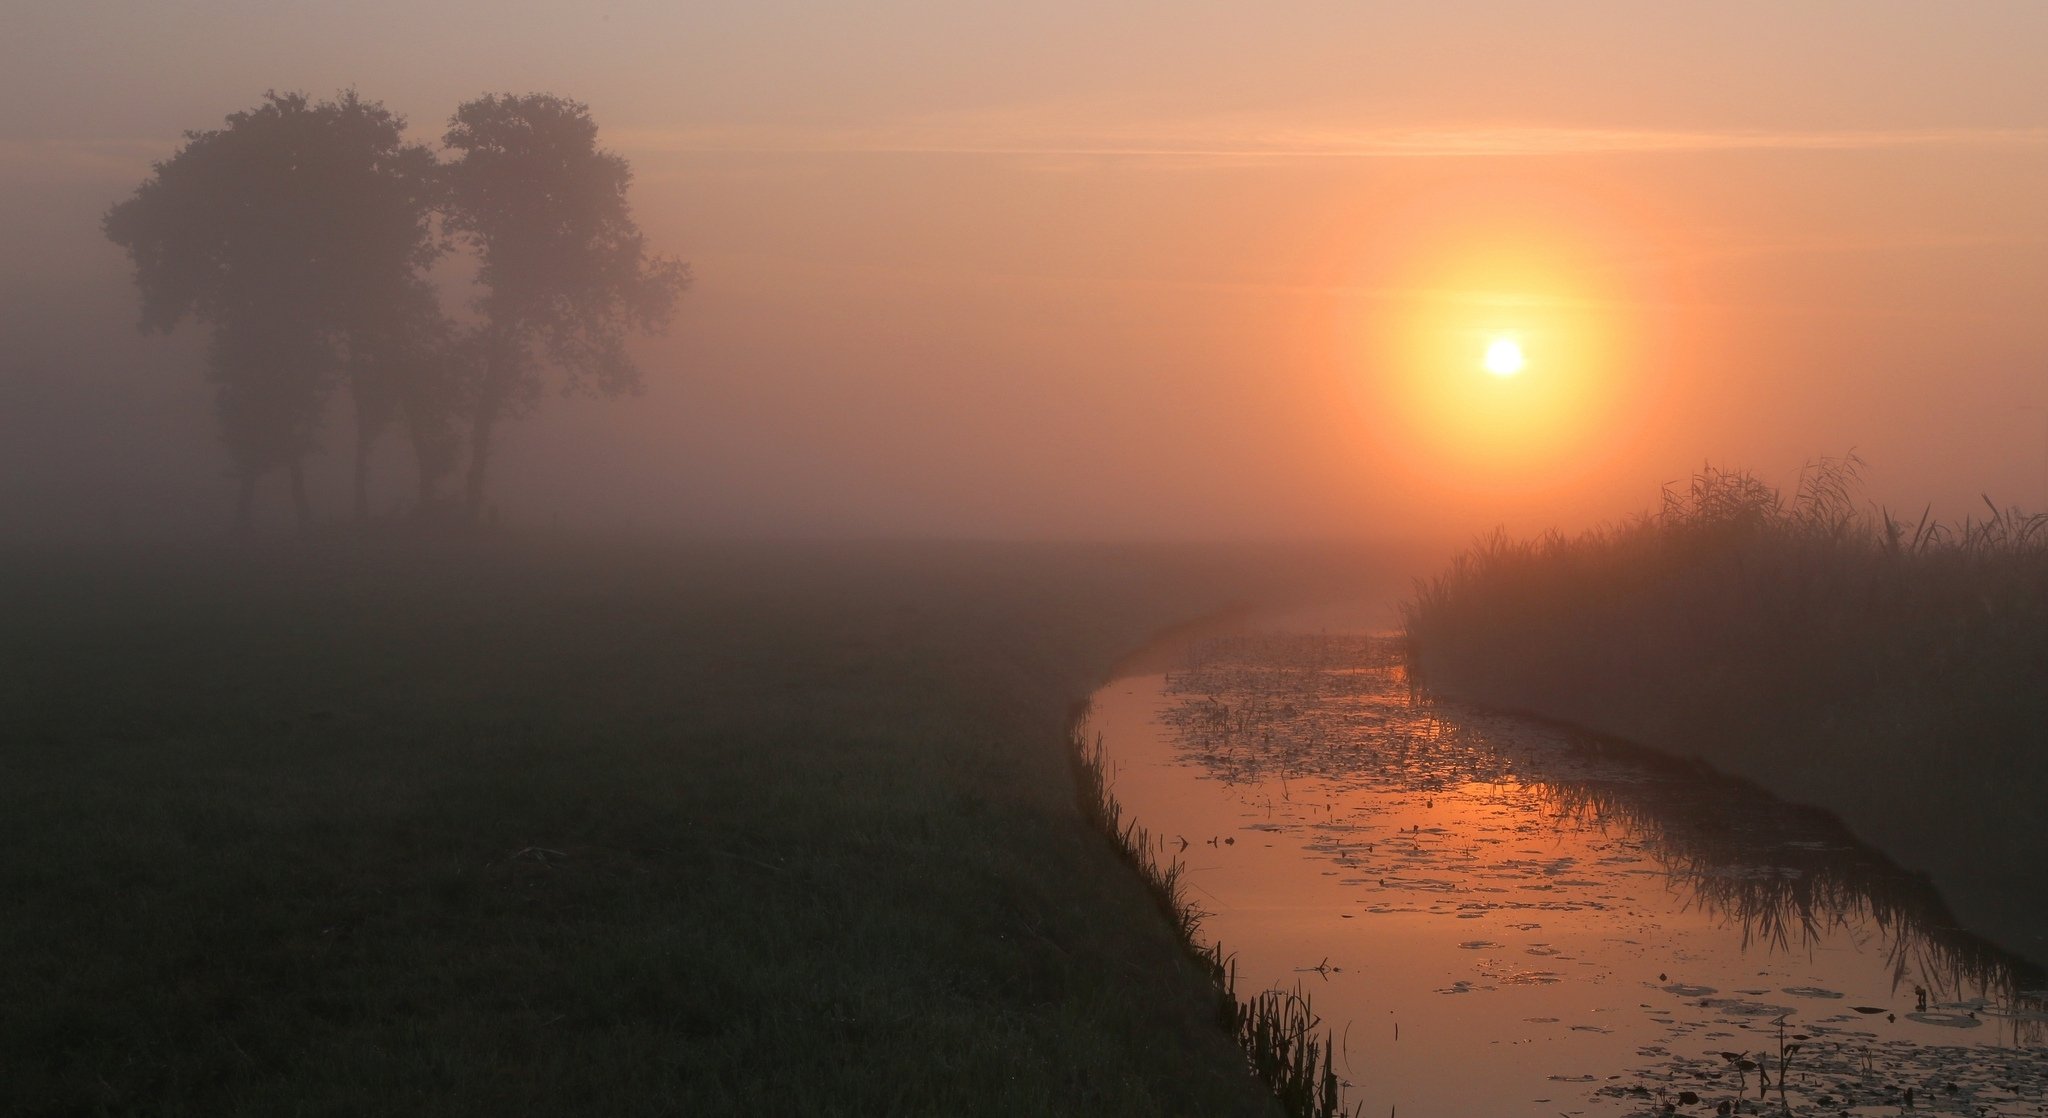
[(1225, 140), (1007, 135)]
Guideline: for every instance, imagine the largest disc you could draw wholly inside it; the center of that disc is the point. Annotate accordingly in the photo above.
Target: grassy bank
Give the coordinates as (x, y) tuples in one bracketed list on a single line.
[(1284, 1042), (1893, 672), (495, 827)]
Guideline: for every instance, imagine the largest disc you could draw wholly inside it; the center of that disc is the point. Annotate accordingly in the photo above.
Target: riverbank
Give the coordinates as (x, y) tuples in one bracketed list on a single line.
[(525, 826), (1894, 674)]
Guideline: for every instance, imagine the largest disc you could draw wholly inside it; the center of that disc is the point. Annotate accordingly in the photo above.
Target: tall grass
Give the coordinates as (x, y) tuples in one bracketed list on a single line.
[(1894, 670), (1278, 1029)]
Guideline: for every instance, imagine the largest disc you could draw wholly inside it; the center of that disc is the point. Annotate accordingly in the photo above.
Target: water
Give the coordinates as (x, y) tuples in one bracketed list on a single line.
[(1498, 917)]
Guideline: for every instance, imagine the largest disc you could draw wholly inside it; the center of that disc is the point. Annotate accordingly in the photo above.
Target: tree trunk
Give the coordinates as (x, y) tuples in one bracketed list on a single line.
[(423, 456), (301, 507), (482, 424), (428, 456), (503, 362), (364, 438), (245, 503)]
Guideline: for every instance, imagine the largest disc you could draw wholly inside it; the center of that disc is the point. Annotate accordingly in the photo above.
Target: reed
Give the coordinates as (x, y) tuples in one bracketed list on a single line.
[(1281, 1035), (1892, 670)]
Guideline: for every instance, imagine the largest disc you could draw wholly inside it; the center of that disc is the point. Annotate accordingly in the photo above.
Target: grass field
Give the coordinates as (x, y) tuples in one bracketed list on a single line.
[(516, 826), (1893, 672)]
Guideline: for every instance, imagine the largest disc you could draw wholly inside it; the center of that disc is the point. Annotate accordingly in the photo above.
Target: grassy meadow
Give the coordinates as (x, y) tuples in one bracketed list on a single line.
[(1894, 672), (517, 826)]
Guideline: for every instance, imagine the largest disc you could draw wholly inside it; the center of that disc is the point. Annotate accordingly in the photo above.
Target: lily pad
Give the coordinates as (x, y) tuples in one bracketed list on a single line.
[(1945, 1020)]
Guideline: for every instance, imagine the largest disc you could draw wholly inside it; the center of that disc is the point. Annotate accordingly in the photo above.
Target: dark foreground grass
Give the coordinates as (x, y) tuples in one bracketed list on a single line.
[(492, 827), (1894, 673)]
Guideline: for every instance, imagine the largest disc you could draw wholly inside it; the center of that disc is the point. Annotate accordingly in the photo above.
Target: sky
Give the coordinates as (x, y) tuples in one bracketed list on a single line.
[(1133, 270)]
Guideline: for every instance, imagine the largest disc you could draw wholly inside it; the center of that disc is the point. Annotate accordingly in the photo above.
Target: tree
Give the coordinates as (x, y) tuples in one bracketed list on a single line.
[(384, 314), (406, 363), (271, 374), (292, 232), (565, 271)]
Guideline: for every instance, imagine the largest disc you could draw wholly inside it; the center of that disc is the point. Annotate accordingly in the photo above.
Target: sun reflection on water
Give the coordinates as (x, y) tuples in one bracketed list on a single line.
[(1641, 915)]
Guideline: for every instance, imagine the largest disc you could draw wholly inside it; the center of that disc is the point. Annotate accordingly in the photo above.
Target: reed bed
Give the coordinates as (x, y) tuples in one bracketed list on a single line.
[(1281, 1035), (1892, 670)]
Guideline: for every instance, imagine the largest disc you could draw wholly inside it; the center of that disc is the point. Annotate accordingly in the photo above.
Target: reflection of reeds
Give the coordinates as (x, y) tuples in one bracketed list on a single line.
[(1786, 875), (1277, 1029), (1895, 671)]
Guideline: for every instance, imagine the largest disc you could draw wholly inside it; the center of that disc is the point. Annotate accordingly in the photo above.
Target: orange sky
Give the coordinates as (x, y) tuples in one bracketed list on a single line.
[(1180, 269)]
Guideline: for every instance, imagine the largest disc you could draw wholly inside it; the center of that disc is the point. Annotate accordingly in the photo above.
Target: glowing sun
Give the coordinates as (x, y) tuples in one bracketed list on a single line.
[(1504, 357)]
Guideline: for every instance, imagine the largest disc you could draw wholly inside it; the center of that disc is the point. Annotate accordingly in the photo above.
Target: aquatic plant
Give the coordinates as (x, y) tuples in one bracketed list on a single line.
[(1785, 875)]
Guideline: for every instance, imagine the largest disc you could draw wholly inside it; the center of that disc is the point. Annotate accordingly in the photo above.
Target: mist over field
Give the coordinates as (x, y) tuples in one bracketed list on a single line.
[(977, 275)]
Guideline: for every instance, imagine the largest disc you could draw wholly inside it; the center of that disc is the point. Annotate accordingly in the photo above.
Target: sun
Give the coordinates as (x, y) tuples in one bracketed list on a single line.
[(1504, 357)]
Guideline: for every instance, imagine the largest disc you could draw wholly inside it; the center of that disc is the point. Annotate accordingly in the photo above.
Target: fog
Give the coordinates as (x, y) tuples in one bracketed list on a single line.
[(1156, 273)]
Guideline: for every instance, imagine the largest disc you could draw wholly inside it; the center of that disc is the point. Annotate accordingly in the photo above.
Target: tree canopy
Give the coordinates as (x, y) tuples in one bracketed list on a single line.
[(285, 231), (565, 270)]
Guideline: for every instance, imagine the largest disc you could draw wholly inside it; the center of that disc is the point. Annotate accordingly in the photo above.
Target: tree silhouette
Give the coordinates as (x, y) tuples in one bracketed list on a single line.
[(295, 232), (407, 364), (272, 373), (565, 271)]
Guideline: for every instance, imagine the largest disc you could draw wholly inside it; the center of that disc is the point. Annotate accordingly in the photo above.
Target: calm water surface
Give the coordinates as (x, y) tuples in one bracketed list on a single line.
[(1496, 917)]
